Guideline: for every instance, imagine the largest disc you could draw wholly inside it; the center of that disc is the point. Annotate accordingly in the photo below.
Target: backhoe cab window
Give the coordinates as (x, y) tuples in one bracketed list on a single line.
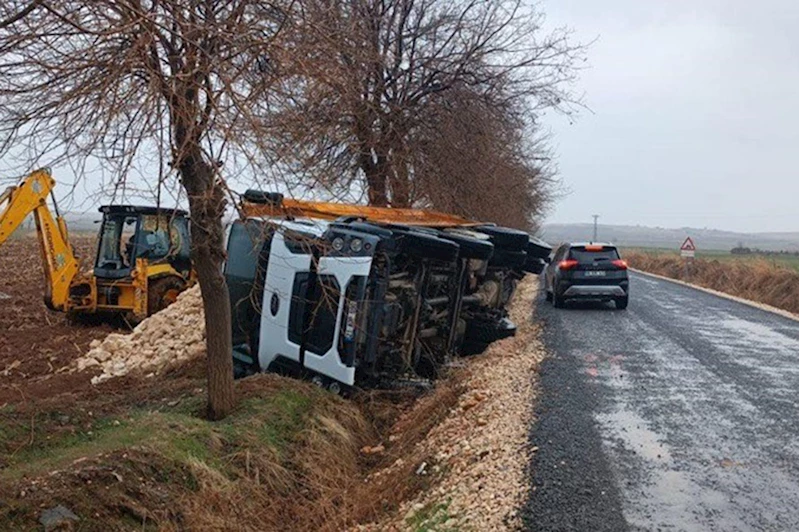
[(124, 238), (117, 233)]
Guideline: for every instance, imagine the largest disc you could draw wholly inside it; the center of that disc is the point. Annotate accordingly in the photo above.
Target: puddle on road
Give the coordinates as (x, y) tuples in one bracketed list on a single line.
[(632, 429)]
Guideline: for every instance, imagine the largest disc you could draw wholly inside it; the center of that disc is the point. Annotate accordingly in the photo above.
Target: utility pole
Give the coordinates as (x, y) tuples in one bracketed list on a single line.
[(596, 217)]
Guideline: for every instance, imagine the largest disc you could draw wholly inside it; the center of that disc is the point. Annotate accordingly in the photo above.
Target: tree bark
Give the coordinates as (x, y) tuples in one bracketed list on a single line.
[(207, 205)]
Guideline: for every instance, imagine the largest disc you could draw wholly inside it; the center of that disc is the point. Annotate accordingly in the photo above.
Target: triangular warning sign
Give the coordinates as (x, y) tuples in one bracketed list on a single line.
[(688, 245)]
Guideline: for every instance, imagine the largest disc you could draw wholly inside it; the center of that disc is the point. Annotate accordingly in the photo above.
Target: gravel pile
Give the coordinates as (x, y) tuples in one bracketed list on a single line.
[(175, 334), (481, 448)]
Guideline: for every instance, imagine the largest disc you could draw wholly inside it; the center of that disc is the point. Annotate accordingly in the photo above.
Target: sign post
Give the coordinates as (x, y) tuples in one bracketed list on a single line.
[(688, 249), (688, 252)]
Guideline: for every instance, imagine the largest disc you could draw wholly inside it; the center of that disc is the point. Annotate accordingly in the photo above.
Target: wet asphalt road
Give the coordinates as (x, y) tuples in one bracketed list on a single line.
[(680, 413)]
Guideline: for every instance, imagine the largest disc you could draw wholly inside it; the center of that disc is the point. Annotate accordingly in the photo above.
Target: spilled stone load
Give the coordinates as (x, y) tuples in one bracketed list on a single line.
[(174, 335)]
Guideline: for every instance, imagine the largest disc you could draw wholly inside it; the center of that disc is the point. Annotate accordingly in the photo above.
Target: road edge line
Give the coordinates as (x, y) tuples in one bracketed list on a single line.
[(749, 302)]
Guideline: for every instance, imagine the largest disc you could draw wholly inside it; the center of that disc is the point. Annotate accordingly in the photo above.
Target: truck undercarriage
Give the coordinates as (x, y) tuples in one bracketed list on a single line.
[(355, 302)]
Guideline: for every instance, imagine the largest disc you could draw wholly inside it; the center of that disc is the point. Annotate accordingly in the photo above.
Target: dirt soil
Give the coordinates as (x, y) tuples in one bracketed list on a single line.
[(34, 341)]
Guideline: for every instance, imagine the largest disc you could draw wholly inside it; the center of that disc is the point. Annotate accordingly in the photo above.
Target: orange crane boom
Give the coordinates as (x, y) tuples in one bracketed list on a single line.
[(275, 206)]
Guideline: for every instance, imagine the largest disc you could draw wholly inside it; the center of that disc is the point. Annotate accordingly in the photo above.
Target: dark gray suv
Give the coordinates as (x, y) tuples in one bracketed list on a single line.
[(587, 271)]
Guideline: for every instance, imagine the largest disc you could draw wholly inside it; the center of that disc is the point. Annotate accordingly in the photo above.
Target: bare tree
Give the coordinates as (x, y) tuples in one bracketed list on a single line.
[(481, 160), (119, 80), (9, 16), (378, 73)]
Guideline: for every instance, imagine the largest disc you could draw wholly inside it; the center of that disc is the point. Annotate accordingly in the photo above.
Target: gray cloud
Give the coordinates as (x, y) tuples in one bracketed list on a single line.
[(695, 114)]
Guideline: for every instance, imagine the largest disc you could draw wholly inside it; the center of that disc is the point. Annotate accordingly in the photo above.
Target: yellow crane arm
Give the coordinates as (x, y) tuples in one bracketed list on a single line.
[(329, 211), (59, 262)]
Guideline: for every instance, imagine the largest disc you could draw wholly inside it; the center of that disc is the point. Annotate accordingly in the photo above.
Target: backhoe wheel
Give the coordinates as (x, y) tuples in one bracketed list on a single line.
[(163, 292)]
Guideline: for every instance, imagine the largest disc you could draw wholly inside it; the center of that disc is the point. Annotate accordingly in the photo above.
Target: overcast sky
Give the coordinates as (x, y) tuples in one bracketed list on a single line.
[(694, 115)]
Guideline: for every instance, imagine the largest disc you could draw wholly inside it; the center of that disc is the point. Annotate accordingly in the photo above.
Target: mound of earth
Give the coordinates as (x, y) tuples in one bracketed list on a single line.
[(174, 335)]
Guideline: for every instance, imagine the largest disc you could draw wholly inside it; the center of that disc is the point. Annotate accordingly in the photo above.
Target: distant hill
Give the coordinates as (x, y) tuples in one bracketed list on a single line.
[(659, 237)]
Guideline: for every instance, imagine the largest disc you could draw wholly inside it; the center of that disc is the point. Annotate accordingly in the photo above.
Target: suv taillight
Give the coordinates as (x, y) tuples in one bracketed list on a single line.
[(620, 264), (567, 264)]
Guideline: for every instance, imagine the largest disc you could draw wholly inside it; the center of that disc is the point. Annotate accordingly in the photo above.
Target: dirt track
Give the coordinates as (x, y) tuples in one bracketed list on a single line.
[(35, 342)]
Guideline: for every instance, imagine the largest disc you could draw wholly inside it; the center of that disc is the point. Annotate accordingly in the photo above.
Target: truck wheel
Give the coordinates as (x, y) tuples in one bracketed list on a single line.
[(506, 238), (538, 249), (508, 259), (163, 292), (471, 248), (534, 266), (427, 246), (482, 331), (621, 302)]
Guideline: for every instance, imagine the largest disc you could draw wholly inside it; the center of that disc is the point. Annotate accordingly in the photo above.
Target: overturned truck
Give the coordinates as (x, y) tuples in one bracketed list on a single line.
[(363, 296)]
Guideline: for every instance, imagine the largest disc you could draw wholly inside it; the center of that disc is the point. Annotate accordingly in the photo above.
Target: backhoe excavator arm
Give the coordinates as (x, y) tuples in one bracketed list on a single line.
[(59, 263)]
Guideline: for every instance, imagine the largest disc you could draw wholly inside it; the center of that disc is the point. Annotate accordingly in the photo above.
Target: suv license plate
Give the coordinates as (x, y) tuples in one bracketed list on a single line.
[(596, 273)]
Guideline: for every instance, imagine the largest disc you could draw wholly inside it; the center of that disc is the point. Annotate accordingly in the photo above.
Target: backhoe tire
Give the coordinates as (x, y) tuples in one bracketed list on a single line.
[(506, 238), (163, 292), (427, 246)]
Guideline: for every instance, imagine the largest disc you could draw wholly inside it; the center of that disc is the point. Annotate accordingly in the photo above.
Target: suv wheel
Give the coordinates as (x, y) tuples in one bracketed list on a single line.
[(621, 302), (548, 295), (558, 301)]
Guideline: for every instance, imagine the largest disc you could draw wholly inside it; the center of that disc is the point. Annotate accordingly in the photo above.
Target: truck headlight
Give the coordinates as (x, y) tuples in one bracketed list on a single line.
[(338, 243), (356, 245)]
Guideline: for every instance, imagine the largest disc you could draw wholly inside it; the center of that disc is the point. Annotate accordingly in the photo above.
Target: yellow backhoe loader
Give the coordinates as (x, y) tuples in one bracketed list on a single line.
[(142, 260)]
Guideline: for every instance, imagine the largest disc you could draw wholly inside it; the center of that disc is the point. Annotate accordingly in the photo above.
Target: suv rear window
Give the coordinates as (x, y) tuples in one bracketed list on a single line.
[(583, 254)]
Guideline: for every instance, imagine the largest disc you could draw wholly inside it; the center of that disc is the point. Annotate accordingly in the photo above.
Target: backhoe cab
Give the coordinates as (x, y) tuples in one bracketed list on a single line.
[(142, 260)]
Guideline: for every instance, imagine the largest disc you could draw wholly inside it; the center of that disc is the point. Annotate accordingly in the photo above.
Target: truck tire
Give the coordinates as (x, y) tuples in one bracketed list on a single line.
[(471, 248), (266, 198), (621, 302), (427, 246), (363, 227), (534, 266), (506, 238), (483, 331), (163, 292), (538, 248), (503, 258)]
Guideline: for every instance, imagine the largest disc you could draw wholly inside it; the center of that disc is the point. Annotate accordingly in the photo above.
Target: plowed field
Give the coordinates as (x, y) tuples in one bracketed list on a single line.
[(34, 341)]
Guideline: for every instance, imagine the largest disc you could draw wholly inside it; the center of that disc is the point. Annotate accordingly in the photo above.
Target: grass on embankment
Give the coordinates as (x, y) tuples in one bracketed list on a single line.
[(760, 280), (168, 468), (288, 458), (785, 260)]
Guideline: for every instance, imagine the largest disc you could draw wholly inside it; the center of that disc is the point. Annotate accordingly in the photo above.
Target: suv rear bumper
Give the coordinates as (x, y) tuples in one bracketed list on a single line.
[(568, 290), (588, 291)]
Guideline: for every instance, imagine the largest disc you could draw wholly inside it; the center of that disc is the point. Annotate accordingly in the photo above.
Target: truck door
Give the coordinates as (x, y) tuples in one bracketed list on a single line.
[(286, 283)]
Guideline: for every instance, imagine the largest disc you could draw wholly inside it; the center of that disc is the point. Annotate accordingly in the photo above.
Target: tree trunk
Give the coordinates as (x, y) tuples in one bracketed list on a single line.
[(207, 205)]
